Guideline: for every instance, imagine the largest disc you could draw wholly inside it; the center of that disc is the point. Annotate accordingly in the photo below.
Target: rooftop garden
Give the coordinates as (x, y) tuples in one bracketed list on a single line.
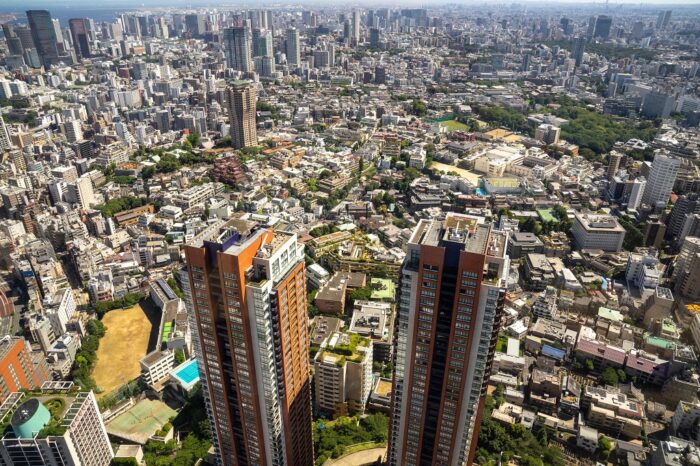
[(54, 428), (349, 349)]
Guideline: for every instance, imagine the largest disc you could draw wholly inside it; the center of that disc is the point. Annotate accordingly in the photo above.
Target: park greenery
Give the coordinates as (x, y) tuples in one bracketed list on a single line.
[(499, 443), (86, 358), (332, 437), (505, 117), (172, 283), (120, 204), (596, 133), (126, 461), (560, 222), (609, 51), (129, 299)]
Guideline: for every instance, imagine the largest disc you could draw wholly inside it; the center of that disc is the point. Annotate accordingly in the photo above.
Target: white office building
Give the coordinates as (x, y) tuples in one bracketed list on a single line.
[(594, 231)]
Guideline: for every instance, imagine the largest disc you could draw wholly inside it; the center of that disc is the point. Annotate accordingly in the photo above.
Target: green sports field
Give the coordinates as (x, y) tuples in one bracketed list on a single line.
[(142, 420)]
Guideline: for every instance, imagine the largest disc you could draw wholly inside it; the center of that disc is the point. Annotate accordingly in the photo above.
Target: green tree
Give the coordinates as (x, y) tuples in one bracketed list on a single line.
[(609, 376), (96, 327), (148, 172), (179, 356), (130, 461), (194, 139), (604, 446), (418, 108), (362, 294)]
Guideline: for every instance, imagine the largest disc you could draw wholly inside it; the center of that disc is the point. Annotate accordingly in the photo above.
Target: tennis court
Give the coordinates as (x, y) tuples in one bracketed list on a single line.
[(141, 421)]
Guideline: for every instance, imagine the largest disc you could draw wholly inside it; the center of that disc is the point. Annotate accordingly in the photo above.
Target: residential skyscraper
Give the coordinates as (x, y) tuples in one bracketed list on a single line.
[(578, 49), (248, 295), (240, 102), (591, 27), (293, 47), (663, 174), (81, 38), (355, 31), (43, 35), (451, 294), (237, 47), (14, 43)]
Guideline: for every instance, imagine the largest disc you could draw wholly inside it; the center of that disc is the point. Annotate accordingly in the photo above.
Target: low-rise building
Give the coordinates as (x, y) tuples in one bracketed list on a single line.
[(155, 368), (539, 273), (675, 452), (587, 438), (371, 319), (686, 419), (343, 375), (596, 231), (613, 412), (380, 398), (600, 354), (522, 243)]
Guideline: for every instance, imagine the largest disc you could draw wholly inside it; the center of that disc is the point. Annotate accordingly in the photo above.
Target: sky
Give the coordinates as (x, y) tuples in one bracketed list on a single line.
[(19, 6)]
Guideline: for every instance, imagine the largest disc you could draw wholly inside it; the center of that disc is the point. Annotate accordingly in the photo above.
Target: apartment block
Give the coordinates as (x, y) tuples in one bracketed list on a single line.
[(247, 291), (451, 293)]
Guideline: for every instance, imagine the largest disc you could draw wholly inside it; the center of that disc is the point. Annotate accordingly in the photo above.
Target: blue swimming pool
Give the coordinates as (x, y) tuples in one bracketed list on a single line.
[(189, 372), (481, 192)]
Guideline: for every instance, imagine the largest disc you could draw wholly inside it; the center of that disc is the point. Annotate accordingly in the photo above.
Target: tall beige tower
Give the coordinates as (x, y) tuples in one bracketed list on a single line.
[(240, 102)]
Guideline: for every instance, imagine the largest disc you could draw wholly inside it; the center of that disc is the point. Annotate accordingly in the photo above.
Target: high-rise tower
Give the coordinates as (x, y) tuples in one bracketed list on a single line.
[(662, 176), (451, 294), (81, 37), (237, 47), (43, 35), (293, 48), (248, 295), (240, 102)]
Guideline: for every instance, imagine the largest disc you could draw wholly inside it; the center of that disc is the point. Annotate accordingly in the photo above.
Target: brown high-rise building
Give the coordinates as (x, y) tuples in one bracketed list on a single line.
[(240, 102), (451, 293), (247, 290), (614, 164)]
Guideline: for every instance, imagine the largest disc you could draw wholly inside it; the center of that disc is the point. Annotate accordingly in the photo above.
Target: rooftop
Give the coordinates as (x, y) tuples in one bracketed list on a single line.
[(369, 319), (344, 346), (599, 222)]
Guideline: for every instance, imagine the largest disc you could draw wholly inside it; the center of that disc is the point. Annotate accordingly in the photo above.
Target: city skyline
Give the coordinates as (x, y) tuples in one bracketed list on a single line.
[(315, 234)]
